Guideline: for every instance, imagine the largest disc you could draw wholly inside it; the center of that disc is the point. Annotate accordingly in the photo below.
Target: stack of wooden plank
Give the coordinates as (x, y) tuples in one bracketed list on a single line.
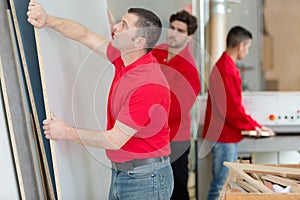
[(250, 181), (22, 110)]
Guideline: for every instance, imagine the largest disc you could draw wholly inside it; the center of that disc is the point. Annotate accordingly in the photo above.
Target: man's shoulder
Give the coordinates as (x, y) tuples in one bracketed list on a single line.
[(161, 46), (225, 63)]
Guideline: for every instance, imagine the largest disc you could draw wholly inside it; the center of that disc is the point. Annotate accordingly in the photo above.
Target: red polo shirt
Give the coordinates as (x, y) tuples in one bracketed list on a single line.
[(225, 114), (183, 78), (139, 98)]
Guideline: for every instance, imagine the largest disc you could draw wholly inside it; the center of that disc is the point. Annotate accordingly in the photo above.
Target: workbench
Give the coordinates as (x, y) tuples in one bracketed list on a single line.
[(270, 144)]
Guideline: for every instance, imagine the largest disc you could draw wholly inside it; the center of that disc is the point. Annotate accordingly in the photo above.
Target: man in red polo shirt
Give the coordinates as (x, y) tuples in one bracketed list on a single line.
[(225, 114), (137, 136), (179, 67)]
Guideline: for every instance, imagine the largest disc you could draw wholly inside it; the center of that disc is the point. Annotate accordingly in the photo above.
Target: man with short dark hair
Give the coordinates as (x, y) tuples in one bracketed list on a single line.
[(137, 136), (179, 67), (225, 114)]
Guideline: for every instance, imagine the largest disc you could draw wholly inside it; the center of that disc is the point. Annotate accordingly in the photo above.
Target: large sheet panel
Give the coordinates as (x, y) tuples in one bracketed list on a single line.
[(76, 84), (28, 52)]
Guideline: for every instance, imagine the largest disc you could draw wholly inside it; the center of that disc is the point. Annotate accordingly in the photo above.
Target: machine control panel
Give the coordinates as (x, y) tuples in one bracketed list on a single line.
[(277, 110), (274, 109)]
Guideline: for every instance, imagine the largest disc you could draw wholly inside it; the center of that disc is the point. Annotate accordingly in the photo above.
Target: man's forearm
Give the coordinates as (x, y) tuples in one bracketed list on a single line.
[(112, 139), (55, 129), (91, 138), (66, 27)]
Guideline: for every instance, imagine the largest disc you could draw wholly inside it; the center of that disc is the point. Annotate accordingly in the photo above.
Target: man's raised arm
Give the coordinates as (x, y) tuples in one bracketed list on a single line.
[(70, 29)]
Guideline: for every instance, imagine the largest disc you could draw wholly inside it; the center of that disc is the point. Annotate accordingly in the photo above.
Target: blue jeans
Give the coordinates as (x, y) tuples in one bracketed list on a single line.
[(221, 152), (148, 182)]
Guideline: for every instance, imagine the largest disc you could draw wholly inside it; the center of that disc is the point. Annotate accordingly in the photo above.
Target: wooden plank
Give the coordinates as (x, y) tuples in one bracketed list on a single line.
[(26, 44), (17, 116), (284, 165), (256, 176), (295, 188), (235, 188), (226, 187), (235, 196), (263, 196), (47, 112), (9, 184), (255, 133), (39, 167), (71, 75), (25, 167), (280, 171), (240, 170), (247, 186)]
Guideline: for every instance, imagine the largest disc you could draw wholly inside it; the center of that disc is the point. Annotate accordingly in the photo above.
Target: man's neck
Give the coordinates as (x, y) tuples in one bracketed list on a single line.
[(132, 56), (232, 53)]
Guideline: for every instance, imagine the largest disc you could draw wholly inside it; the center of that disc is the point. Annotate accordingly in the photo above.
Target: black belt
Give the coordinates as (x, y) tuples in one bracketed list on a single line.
[(129, 165)]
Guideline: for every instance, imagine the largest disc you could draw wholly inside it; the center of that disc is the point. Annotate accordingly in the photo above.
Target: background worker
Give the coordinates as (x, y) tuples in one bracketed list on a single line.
[(179, 67), (225, 114)]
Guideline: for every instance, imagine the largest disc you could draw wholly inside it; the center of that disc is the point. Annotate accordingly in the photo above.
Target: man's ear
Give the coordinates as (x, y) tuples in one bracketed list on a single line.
[(140, 42)]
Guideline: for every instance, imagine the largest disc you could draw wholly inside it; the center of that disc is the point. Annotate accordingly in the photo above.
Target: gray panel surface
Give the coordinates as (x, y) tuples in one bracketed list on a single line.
[(30, 68), (13, 98), (8, 182)]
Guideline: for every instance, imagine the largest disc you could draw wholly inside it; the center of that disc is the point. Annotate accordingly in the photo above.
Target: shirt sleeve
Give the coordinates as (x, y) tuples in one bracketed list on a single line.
[(125, 129)]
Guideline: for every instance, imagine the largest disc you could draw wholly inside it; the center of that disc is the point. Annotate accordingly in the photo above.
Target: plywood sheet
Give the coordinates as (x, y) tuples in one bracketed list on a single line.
[(18, 118), (9, 186), (76, 84), (27, 48), (43, 180)]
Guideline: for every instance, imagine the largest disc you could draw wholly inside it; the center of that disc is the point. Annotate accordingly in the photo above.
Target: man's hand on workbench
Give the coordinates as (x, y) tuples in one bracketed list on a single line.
[(264, 132)]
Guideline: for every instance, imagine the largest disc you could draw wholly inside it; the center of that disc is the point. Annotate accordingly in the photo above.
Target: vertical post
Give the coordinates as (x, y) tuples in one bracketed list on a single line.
[(198, 9), (217, 28)]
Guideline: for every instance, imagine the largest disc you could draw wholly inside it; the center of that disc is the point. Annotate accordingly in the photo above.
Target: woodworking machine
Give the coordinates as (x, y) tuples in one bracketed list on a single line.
[(277, 110)]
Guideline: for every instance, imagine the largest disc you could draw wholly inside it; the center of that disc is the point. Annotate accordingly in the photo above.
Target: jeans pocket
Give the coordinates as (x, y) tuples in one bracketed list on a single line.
[(139, 174)]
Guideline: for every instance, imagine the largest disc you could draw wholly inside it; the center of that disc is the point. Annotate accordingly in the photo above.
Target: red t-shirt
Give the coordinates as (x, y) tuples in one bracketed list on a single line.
[(139, 98), (225, 114), (183, 78)]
